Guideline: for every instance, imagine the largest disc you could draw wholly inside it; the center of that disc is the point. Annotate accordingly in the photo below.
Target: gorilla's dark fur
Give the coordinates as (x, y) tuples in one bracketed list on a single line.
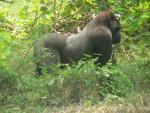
[(96, 38)]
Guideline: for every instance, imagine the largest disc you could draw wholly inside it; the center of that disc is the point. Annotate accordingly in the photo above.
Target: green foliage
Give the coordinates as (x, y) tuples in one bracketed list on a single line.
[(22, 22), (8, 83), (5, 41), (80, 82), (118, 83), (7, 78)]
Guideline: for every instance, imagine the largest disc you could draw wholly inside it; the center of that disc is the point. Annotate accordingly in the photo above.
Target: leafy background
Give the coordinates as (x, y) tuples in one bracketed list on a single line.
[(22, 22)]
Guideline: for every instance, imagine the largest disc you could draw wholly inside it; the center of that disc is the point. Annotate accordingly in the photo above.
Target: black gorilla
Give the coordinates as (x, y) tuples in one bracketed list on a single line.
[(96, 38)]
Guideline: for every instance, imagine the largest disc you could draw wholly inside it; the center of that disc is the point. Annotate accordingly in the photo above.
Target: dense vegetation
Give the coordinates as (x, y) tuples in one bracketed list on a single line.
[(23, 21)]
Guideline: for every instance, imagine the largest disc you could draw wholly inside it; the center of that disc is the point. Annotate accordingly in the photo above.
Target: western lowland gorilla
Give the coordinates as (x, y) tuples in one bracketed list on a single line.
[(95, 39)]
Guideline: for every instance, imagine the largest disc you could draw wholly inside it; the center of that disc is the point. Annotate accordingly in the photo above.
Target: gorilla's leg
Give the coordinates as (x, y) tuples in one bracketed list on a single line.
[(113, 58), (104, 58), (38, 70), (47, 58)]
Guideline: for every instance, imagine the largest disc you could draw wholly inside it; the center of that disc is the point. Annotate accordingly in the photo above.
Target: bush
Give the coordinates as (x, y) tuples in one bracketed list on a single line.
[(8, 83), (82, 81)]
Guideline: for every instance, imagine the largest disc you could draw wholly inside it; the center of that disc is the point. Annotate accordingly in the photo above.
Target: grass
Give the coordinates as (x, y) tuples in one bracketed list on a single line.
[(134, 103), (52, 94)]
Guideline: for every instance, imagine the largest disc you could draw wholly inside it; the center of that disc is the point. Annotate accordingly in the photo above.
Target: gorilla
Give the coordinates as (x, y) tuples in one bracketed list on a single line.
[(95, 39)]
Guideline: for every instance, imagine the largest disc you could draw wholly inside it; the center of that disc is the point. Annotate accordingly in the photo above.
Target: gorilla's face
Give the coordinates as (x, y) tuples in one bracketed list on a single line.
[(115, 27), (116, 36)]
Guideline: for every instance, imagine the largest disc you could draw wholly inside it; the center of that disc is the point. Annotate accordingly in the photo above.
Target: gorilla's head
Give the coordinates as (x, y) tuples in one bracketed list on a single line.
[(109, 19)]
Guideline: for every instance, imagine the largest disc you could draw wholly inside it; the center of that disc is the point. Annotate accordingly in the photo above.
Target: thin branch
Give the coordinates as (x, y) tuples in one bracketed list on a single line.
[(10, 2), (73, 13)]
